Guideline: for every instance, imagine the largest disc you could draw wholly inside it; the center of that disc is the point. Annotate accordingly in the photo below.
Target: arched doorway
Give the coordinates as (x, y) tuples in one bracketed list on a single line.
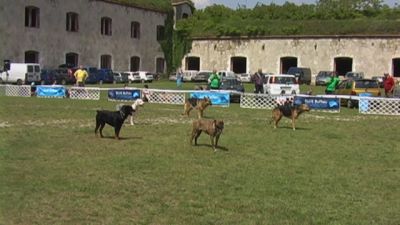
[(135, 63), (287, 62), (192, 63), (342, 65), (239, 64), (71, 59)]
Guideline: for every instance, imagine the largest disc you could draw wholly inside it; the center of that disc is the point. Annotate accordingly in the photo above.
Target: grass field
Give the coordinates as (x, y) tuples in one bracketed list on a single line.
[(334, 169)]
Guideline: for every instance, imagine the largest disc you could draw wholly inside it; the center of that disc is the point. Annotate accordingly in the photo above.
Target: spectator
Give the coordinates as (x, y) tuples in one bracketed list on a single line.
[(179, 78), (258, 79), (388, 85), (332, 84), (214, 80), (80, 76)]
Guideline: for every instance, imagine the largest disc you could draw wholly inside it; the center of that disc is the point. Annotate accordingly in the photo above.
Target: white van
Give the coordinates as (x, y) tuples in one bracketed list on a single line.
[(188, 75), (281, 84), (21, 73)]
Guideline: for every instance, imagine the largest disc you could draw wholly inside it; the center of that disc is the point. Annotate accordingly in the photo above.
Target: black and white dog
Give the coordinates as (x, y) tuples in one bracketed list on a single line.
[(135, 107), (112, 118)]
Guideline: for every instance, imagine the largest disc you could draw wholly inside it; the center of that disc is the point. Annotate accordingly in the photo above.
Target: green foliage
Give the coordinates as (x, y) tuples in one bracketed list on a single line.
[(327, 17)]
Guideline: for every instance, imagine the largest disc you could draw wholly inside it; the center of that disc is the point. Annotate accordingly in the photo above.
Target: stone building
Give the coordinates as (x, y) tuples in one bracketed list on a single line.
[(372, 55), (98, 33)]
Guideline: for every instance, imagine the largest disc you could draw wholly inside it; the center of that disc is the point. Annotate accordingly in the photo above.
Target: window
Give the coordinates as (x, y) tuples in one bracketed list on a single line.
[(135, 30), (135, 63), (106, 26), (160, 64), (160, 33), (72, 24), (31, 57), (105, 62), (71, 59), (32, 16)]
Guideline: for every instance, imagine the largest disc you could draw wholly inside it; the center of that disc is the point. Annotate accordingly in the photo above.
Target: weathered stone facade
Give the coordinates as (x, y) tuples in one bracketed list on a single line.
[(372, 55), (52, 41)]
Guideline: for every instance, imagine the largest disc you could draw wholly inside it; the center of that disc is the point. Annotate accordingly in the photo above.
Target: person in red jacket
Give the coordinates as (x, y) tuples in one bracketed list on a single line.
[(388, 84)]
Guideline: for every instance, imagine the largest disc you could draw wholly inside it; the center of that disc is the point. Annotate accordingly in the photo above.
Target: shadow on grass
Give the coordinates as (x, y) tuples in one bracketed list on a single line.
[(208, 145), (121, 138)]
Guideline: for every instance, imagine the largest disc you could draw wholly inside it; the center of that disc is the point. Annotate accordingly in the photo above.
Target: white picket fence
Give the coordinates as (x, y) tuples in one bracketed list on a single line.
[(367, 105)]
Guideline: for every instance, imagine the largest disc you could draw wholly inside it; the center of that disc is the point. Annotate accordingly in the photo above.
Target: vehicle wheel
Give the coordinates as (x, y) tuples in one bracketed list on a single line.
[(19, 82), (101, 82), (350, 104), (63, 82)]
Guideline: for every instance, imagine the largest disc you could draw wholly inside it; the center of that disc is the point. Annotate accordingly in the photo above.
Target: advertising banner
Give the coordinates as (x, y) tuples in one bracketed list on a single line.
[(54, 91), (123, 94), (217, 98), (318, 102)]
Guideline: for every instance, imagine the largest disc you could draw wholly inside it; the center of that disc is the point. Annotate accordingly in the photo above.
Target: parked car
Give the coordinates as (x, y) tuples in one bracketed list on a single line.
[(201, 76), (379, 79), (357, 87), (302, 74), (21, 73), (323, 77), (99, 76), (120, 77), (172, 77), (232, 84), (244, 77), (141, 76), (278, 84), (354, 75), (189, 74), (226, 74), (47, 76)]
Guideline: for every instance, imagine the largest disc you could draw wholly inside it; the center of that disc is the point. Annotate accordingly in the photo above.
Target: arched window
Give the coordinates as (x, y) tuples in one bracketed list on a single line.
[(160, 33), (160, 65), (31, 57), (32, 16), (135, 30), (105, 61), (72, 22), (135, 63), (106, 26), (71, 59)]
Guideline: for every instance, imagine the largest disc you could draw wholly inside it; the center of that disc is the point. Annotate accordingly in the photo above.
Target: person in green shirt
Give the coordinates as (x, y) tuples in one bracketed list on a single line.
[(332, 84), (214, 80)]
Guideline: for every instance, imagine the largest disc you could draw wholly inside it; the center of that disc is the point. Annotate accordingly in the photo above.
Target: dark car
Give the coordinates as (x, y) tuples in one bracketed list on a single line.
[(99, 76), (47, 76), (379, 79), (232, 84), (323, 77), (302, 74), (120, 77), (57, 76)]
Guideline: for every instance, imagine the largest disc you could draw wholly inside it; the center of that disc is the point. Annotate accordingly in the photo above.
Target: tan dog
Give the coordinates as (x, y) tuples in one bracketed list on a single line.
[(199, 104), (289, 111), (213, 128)]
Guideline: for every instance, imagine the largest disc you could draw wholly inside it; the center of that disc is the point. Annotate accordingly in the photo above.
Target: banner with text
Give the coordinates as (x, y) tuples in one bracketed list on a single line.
[(318, 102), (54, 91), (217, 98), (123, 94)]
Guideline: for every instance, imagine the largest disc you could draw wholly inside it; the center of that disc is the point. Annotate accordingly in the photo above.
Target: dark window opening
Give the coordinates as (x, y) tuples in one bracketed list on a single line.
[(343, 65), (160, 33), (32, 16), (192, 63), (239, 64), (105, 62), (135, 30), (31, 57), (135, 63), (287, 62), (396, 67), (106, 26), (71, 59), (72, 22), (160, 65)]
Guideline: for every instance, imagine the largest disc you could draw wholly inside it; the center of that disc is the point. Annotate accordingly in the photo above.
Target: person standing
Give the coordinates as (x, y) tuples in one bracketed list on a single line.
[(80, 76), (332, 84), (388, 84), (258, 79), (179, 78), (214, 80)]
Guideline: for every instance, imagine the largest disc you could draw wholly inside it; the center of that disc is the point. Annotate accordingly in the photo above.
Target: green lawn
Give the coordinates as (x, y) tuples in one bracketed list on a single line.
[(334, 169)]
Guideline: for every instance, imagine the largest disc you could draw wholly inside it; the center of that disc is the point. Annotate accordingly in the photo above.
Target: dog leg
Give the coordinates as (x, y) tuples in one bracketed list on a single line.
[(102, 124), (198, 132), (213, 143), (277, 119), (117, 130), (216, 140), (97, 127), (132, 123), (293, 123)]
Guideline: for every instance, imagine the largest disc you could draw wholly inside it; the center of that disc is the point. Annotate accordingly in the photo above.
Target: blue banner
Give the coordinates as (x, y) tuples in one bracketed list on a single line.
[(318, 102), (217, 98), (123, 94), (50, 91)]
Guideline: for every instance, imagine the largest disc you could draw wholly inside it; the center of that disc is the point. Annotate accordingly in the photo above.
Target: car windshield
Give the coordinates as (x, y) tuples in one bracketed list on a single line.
[(283, 80), (366, 84)]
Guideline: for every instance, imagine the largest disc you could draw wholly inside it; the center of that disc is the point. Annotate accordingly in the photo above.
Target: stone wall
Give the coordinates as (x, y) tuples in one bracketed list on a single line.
[(372, 55), (52, 41)]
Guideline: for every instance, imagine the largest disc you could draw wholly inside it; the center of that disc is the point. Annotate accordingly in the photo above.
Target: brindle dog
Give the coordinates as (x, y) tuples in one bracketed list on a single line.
[(199, 104), (213, 128), (289, 111)]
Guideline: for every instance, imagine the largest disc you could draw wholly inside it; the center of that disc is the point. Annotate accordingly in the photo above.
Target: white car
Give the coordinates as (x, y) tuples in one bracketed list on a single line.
[(279, 84), (244, 78), (140, 76)]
